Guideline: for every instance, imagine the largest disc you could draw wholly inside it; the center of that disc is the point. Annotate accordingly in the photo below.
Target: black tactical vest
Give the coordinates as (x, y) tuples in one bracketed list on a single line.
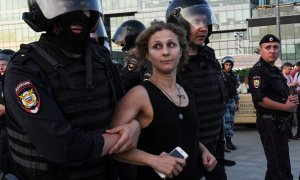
[(202, 74), (231, 83), (87, 106)]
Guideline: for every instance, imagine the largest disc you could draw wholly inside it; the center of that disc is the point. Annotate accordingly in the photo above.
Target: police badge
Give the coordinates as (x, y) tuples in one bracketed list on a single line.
[(131, 64), (28, 97), (256, 81)]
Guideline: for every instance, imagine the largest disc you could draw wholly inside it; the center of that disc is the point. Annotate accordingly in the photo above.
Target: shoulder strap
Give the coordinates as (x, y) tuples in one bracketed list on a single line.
[(111, 71), (47, 57), (48, 63)]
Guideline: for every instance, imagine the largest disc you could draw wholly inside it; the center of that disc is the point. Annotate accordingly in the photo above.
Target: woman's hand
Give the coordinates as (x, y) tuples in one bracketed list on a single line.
[(209, 160), (168, 165)]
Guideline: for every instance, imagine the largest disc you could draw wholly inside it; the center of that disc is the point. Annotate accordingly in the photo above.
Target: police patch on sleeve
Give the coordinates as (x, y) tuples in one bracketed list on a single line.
[(28, 97), (256, 81), (131, 64)]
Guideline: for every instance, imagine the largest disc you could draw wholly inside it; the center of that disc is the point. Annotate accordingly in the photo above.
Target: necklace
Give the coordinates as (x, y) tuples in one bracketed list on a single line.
[(180, 115)]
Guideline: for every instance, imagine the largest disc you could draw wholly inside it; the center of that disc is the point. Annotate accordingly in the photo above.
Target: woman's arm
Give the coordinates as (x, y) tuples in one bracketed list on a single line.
[(208, 160), (134, 105), (131, 114)]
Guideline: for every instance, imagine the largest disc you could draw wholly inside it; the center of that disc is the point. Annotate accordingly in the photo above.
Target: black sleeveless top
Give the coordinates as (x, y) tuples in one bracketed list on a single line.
[(167, 131)]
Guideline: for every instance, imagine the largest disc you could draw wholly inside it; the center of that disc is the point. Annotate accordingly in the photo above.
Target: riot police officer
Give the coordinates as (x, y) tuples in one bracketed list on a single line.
[(134, 70), (274, 106), (202, 74), (60, 93), (232, 101), (127, 33)]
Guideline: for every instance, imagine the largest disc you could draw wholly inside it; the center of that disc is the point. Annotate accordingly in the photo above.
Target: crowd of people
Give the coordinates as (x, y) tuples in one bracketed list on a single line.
[(68, 112)]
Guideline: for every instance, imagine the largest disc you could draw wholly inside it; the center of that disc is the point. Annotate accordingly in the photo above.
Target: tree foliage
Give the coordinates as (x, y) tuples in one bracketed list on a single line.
[(241, 73)]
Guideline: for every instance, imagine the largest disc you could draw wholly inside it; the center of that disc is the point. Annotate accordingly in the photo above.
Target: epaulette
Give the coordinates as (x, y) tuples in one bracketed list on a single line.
[(21, 53), (25, 48)]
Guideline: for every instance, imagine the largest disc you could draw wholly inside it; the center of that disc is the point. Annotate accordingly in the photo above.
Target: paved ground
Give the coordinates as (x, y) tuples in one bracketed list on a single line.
[(250, 159)]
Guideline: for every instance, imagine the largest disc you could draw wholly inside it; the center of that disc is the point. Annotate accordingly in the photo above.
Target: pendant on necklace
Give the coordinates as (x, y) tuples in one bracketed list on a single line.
[(180, 116)]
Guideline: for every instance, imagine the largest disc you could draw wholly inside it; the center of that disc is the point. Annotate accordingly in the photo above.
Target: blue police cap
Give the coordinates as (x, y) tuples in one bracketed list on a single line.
[(269, 38)]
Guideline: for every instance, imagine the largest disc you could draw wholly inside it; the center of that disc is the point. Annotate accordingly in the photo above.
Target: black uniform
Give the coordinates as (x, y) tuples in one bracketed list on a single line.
[(203, 75), (3, 134), (56, 113), (268, 81), (134, 74)]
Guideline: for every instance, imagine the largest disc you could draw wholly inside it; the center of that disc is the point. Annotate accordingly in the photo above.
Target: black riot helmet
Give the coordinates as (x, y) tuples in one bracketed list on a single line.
[(127, 33), (227, 59), (181, 12), (6, 54), (42, 12), (100, 35)]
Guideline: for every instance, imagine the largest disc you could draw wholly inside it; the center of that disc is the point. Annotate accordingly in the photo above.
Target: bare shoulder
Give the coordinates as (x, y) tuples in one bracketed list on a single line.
[(137, 92), (133, 105), (136, 95)]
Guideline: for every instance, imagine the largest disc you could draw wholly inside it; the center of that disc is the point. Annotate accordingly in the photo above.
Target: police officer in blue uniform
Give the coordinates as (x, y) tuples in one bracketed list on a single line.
[(60, 93), (274, 106), (232, 101)]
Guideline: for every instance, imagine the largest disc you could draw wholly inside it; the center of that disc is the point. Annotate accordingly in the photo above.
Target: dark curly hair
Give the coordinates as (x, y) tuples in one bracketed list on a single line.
[(141, 43)]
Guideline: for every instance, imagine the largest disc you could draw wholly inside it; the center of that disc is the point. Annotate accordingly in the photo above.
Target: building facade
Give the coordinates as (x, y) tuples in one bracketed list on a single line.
[(13, 30), (231, 37), (118, 11), (263, 21), (242, 23)]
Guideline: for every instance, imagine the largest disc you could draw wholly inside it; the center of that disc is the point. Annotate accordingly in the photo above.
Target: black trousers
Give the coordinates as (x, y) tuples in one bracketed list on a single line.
[(275, 144)]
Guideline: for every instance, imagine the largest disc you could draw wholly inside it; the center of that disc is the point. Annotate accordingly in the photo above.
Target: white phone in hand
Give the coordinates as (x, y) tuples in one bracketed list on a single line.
[(177, 152)]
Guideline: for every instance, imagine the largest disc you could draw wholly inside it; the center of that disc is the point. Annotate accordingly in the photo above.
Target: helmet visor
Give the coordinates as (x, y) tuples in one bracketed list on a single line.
[(101, 31), (228, 59), (120, 35), (199, 15), (54, 8)]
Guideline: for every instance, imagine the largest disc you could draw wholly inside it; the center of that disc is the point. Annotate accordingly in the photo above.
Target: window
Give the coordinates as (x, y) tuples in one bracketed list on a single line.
[(297, 51), (223, 17), (297, 30), (255, 34), (290, 51), (272, 29), (283, 52), (264, 30), (239, 15)]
